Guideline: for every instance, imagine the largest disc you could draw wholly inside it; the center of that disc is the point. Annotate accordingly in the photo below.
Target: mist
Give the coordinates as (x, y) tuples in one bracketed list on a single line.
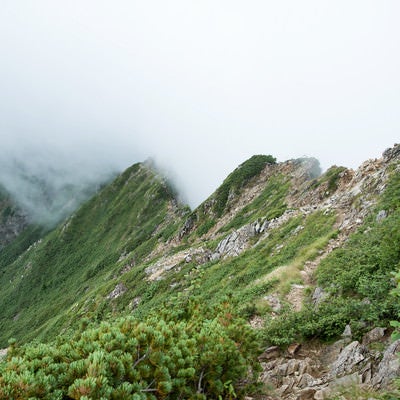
[(91, 87), (48, 187)]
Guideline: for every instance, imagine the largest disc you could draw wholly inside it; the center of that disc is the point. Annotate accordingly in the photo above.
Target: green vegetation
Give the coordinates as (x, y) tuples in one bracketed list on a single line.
[(245, 279), (330, 177), (205, 227), (41, 284), (187, 355), (181, 332), (207, 214), (17, 247), (358, 279), (238, 179), (269, 204)]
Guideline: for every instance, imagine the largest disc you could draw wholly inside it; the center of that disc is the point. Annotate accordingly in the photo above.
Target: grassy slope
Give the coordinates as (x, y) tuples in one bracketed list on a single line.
[(68, 276), (69, 273), (206, 215), (80, 255)]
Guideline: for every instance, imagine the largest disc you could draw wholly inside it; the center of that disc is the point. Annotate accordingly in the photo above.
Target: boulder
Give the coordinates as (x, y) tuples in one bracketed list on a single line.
[(373, 336), (318, 296), (3, 353), (274, 303), (348, 359), (236, 242), (389, 367), (347, 332), (306, 394), (270, 353)]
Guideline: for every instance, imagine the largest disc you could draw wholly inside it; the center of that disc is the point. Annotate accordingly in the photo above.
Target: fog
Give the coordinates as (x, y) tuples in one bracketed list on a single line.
[(90, 87)]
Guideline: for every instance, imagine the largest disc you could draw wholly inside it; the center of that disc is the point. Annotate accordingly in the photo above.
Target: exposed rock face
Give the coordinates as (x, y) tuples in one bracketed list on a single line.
[(12, 221), (381, 215), (187, 227), (165, 264), (274, 302), (389, 367), (318, 296), (349, 358), (321, 372), (237, 241), (392, 153), (119, 290), (373, 336)]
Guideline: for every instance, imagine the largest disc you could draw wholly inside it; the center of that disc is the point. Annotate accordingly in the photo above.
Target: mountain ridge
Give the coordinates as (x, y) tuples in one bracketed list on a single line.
[(266, 239)]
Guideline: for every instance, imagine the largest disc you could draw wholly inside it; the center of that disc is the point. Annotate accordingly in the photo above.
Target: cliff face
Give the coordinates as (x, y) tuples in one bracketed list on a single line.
[(293, 251), (12, 219)]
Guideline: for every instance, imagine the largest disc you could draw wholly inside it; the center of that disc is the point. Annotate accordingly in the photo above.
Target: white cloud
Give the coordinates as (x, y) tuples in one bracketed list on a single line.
[(200, 86)]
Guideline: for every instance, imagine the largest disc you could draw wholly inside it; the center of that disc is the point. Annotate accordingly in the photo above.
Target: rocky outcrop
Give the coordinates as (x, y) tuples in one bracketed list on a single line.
[(119, 290), (236, 242), (392, 153), (187, 227), (389, 367), (320, 372), (240, 240), (349, 359), (157, 270), (12, 222)]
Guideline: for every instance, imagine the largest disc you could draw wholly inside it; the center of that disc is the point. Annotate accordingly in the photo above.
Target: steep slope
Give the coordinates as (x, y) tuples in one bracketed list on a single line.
[(298, 255), (17, 232), (12, 219), (127, 217), (263, 228)]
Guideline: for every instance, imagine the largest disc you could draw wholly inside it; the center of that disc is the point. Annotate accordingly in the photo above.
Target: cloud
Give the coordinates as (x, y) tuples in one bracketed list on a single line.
[(92, 87)]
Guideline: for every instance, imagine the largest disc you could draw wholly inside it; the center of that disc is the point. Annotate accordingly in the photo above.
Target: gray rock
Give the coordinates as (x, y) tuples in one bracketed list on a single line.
[(293, 366), (306, 380), (323, 393), (347, 332), (391, 153), (135, 302), (236, 242), (350, 356), (346, 381), (264, 226), (282, 369), (118, 291), (270, 353), (381, 215), (274, 303), (319, 296), (373, 336), (187, 227), (282, 390), (3, 354), (389, 367), (306, 394), (366, 373)]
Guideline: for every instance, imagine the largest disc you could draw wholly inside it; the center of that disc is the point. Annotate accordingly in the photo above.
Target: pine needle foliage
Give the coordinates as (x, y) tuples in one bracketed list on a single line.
[(173, 356)]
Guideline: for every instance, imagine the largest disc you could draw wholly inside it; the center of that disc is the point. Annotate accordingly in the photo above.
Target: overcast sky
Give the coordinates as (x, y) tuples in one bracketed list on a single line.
[(200, 85)]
